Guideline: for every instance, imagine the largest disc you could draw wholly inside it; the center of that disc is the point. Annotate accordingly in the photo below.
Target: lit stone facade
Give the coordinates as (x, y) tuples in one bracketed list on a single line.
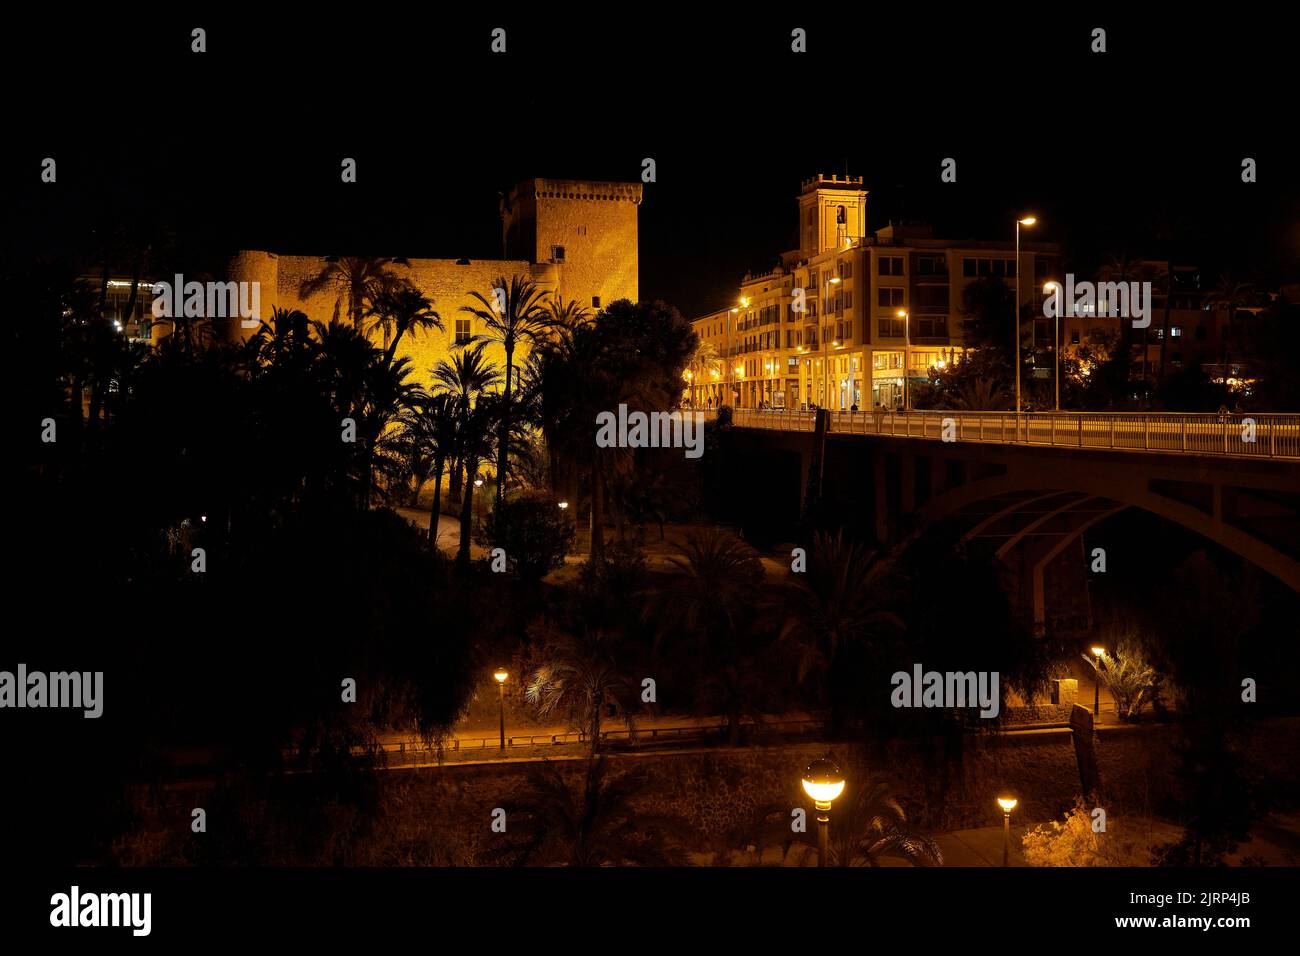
[(575, 239)]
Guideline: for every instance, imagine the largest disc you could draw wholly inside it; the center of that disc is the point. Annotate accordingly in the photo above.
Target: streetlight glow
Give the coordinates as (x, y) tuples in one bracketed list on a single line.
[(1007, 803), (823, 782), (1015, 323), (501, 676)]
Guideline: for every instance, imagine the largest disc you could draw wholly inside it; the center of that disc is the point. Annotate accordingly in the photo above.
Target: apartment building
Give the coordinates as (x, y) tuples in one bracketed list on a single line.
[(850, 318)]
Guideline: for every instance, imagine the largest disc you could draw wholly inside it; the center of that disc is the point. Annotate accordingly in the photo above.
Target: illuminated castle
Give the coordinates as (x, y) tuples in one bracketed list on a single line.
[(576, 239)]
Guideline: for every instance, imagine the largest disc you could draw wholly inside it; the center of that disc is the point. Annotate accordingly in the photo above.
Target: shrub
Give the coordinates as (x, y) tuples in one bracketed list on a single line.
[(1131, 680), (1073, 843), (538, 533)]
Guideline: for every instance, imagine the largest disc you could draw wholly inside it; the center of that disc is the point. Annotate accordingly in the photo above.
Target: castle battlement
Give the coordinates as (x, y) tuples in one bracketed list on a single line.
[(589, 190)]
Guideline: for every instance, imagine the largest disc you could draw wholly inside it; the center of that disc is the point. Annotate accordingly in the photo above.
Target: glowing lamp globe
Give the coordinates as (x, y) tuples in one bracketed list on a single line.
[(823, 782), (1007, 803), (501, 676)]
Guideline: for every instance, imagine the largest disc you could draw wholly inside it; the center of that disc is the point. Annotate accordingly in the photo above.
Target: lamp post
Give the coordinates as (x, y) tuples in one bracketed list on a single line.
[(907, 350), (478, 502), (823, 782), (1098, 653), (1015, 350), (1007, 804), (501, 676), (1050, 288), (826, 305), (728, 381)]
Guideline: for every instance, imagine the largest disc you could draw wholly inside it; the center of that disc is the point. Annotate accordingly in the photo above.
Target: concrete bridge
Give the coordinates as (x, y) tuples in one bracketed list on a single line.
[(1028, 487)]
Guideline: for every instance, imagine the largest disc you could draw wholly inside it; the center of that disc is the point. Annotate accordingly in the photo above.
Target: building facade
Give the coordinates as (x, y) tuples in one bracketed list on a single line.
[(849, 318)]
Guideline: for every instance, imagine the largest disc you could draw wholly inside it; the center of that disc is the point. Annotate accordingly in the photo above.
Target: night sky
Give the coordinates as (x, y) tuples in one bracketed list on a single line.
[(1137, 150)]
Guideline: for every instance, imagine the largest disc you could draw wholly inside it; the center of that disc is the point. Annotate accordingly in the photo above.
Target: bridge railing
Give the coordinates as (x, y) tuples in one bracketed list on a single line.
[(1253, 436)]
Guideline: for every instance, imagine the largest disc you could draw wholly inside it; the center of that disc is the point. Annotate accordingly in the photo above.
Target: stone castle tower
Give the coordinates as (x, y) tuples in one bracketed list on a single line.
[(587, 230)]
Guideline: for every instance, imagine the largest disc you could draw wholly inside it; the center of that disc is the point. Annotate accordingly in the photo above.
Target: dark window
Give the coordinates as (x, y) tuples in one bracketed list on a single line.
[(932, 298), (931, 326), (595, 304), (889, 298)]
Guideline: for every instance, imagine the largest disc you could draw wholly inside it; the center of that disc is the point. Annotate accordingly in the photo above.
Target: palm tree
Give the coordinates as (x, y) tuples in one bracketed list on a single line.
[(595, 824), (435, 428), (515, 314), (1121, 268), (566, 313), (467, 377), (708, 603), (343, 370), (399, 311), (572, 368), (388, 394), (839, 602), (979, 395), (870, 825), (580, 675), (1229, 295), (1164, 276), (703, 362), (354, 280), (475, 428)]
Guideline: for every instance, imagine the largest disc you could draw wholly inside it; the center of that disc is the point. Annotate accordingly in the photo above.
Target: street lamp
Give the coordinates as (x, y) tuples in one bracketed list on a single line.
[(907, 350), (823, 782), (1015, 352), (478, 502), (564, 506), (826, 305), (1007, 803), (501, 676), (1049, 288), (730, 383), (1099, 653)]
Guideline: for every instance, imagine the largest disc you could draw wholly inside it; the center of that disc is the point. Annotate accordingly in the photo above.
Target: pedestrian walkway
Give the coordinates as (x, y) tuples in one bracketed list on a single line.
[(980, 847)]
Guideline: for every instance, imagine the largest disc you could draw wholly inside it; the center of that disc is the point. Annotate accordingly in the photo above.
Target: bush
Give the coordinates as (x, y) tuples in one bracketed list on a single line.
[(1073, 843), (538, 533), (1129, 678)]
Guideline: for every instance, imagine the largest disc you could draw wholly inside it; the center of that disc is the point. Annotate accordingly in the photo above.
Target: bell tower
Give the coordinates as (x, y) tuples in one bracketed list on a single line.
[(832, 214)]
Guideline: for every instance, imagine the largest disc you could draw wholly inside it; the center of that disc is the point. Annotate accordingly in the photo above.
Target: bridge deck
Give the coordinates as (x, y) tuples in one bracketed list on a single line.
[(1238, 436)]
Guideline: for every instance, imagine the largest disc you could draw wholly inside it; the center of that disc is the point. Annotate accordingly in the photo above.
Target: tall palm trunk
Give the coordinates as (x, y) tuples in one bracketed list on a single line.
[(436, 508), (466, 513), (597, 512), (456, 477), (503, 447), (594, 726)]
